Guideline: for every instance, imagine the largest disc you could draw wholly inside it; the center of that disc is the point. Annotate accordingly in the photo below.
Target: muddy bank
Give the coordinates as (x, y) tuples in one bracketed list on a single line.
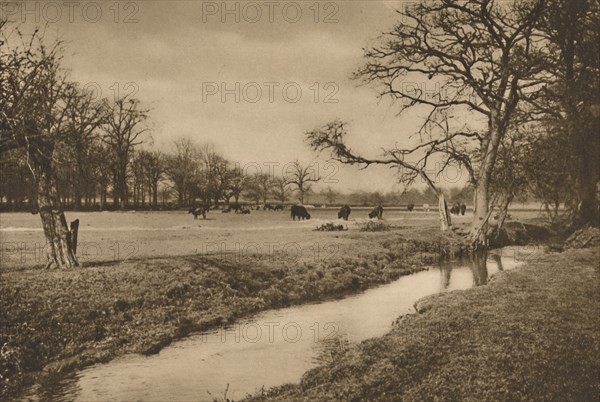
[(55, 322), (530, 334)]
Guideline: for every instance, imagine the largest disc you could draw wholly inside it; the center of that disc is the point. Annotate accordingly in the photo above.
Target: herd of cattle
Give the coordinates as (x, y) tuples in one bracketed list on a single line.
[(300, 212)]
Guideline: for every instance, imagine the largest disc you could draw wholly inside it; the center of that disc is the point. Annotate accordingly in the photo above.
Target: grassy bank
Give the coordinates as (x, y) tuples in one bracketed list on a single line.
[(54, 322), (531, 334)]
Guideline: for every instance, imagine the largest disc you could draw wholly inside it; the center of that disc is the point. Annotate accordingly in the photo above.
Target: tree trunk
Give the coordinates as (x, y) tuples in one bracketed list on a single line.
[(480, 215), (58, 236), (445, 219)]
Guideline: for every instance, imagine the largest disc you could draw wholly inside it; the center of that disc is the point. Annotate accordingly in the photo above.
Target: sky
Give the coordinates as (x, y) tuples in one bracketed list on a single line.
[(248, 77)]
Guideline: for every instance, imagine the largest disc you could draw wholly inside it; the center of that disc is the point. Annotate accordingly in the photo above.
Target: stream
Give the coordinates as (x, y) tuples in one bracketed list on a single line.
[(271, 348)]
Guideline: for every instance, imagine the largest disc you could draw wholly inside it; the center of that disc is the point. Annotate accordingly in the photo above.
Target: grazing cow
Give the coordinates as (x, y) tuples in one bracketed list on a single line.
[(455, 210), (199, 211), (244, 211), (377, 212), (463, 208), (426, 207), (344, 212), (235, 207), (300, 212), (279, 207), (410, 207), (269, 207)]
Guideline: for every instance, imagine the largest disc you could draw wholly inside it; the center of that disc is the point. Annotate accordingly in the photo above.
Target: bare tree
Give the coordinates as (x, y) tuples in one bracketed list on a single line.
[(301, 177), (281, 190), (84, 117), (35, 100), (122, 134), (238, 183), (331, 195), (181, 167), (482, 58), (262, 184)]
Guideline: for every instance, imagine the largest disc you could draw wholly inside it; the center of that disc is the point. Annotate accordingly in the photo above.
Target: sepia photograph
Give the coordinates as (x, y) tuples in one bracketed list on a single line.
[(309, 200)]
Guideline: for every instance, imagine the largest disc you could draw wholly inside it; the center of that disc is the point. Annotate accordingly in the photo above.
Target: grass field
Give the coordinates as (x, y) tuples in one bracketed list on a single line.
[(117, 236)]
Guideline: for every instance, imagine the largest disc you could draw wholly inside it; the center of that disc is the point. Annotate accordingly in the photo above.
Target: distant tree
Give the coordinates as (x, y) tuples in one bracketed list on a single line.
[(85, 116), (301, 178), (238, 182), (181, 167), (330, 195), (155, 167), (281, 190), (123, 132)]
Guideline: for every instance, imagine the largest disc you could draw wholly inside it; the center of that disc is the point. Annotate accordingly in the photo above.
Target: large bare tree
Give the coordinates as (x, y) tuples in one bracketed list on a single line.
[(481, 57), (35, 101)]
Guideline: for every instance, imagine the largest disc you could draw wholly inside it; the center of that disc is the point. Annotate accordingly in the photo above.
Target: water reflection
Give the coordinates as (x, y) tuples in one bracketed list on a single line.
[(480, 264)]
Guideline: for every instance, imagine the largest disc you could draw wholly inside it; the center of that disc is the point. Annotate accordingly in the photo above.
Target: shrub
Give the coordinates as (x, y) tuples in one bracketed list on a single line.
[(330, 227), (375, 226)]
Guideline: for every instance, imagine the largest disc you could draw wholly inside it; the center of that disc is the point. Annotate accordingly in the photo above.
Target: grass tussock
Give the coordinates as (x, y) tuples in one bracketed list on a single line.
[(374, 226)]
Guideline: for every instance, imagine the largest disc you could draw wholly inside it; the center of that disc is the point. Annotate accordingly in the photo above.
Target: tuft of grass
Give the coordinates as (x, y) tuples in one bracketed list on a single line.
[(330, 227), (374, 226)]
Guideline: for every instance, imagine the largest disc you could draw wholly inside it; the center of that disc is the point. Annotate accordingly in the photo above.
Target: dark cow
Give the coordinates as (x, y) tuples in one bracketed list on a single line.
[(279, 207), (344, 212), (300, 212), (410, 207), (455, 210), (237, 208), (377, 212), (269, 207), (463, 209), (199, 211), (244, 211)]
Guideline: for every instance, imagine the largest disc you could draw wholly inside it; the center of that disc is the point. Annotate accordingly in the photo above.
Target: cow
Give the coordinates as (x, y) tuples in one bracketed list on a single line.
[(298, 211), (244, 211), (455, 210), (463, 208), (426, 207), (344, 212), (199, 211), (269, 207), (410, 207), (279, 207), (236, 208), (377, 212)]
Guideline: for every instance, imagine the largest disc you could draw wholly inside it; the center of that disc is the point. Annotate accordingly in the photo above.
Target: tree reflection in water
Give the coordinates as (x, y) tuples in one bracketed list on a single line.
[(477, 262)]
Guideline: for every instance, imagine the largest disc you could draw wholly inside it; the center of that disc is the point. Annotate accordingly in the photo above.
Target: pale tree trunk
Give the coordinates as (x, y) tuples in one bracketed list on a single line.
[(481, 214), (58, 236), (445, 219)]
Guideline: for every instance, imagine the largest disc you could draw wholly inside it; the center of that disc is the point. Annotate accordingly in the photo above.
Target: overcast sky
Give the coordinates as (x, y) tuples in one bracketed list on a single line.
[(181, 55)]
